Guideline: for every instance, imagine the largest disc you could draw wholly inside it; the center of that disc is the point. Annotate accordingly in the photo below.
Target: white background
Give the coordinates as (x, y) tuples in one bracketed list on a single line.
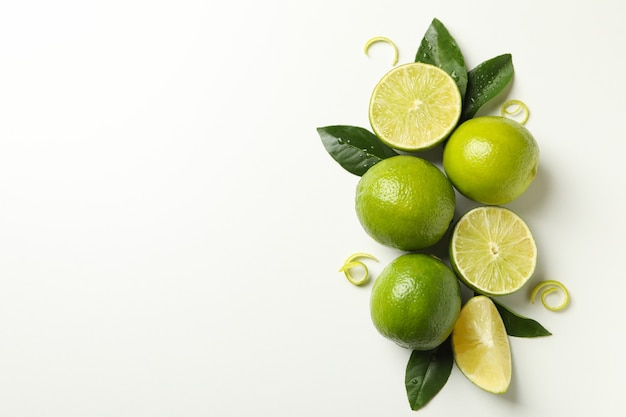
[(171, 225)]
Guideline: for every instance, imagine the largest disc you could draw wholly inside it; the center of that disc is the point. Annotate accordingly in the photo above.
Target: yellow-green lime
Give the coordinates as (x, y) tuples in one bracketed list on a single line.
[(491, 159), (481, 346), (493, 250), (415, 106), (405, 202), (415, 301)]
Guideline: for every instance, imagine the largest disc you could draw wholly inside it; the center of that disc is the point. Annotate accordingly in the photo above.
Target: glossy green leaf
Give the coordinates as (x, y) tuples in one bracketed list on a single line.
[(520, 326), (426, 374), (485, 82), (354, 148), (439, 48)]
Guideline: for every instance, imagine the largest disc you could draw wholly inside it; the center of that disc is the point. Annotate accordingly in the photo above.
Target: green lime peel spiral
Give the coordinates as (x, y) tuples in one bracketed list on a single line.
[(548, 287), (377, 39), (352, 263), (520, 106)]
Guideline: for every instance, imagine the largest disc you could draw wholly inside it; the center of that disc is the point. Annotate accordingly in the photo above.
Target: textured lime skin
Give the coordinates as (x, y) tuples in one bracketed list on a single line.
[(491, 159), (415, 301), (405, 202)]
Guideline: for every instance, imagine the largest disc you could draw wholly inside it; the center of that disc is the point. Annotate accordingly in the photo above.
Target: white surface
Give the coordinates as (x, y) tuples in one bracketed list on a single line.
[(171, 225)]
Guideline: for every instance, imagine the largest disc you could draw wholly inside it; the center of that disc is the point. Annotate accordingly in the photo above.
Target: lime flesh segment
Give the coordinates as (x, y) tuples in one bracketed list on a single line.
[(415, 106), (493, 250), (481, 346)]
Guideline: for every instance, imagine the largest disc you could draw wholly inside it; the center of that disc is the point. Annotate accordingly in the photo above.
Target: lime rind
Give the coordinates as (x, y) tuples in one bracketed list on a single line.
[(493, 250), (378, 39), (548, 287), (520, 107), (415, 107), (352, 263)]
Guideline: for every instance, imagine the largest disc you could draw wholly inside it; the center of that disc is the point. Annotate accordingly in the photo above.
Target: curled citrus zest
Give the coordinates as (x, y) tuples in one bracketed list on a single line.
[(520, 106), (360, 255), (351, 262), (347, 270), (552, 286), (386, 40)]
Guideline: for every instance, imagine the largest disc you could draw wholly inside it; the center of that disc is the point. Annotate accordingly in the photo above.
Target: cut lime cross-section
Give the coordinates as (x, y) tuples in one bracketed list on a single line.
[(415, 106), (481, 346), (493, 250)]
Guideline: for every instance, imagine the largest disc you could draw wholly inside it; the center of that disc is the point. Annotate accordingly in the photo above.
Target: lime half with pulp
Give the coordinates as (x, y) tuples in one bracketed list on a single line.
[(493, 250), (415, 106)]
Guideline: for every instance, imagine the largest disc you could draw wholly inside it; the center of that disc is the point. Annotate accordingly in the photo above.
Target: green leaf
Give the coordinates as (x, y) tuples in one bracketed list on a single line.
[(354, 148), (439, 48), (485, 82), (426, 373), (520, 326)]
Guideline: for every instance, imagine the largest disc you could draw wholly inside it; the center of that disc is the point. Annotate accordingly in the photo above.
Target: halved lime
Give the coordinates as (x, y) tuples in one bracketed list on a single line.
[(415, 106), (493, 250), (481, 346)]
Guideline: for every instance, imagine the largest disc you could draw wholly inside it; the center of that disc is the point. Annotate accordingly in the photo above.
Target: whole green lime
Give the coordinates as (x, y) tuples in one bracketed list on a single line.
[(415, 301), (405, 202), (491, 159)]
